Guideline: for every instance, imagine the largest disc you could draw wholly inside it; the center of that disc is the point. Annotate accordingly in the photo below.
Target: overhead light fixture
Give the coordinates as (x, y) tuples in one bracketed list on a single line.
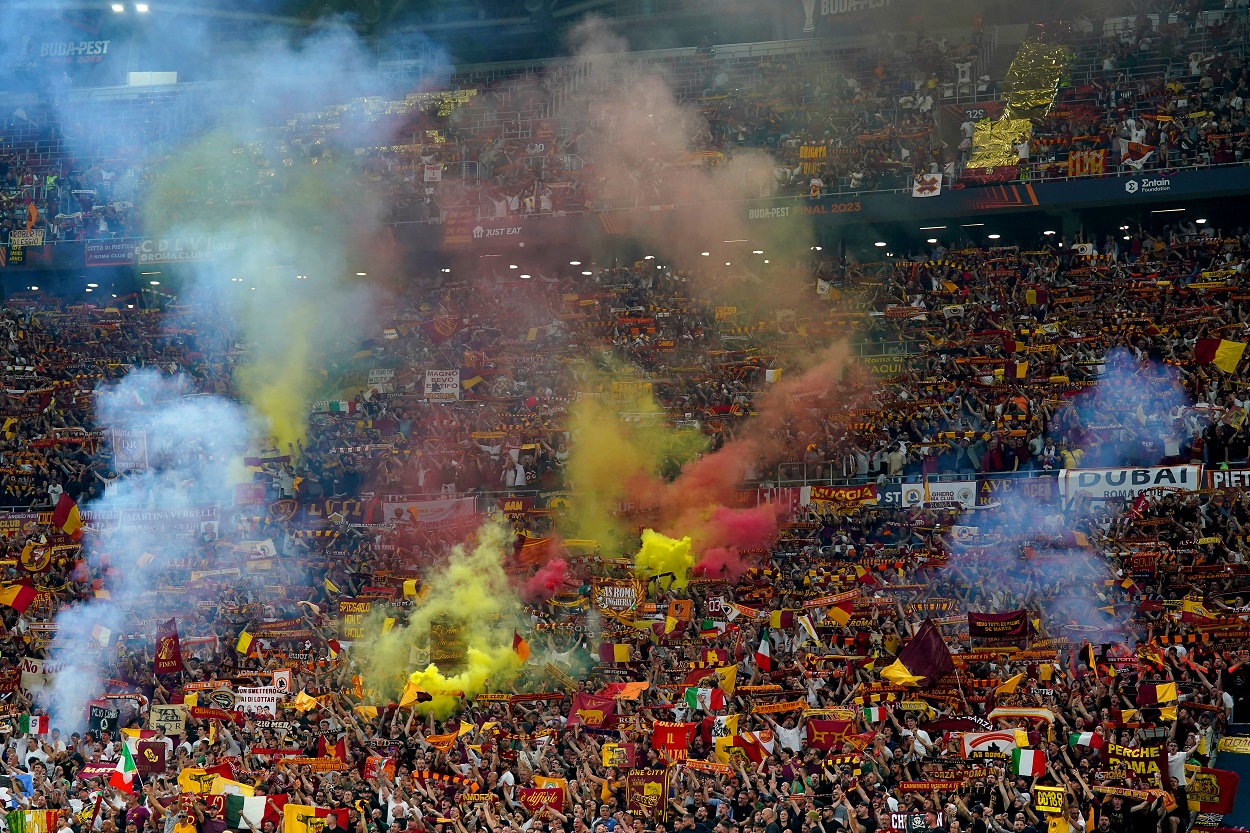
[(575, 263), (157, 272), (815, 248), (880, 244), (648, 257), (130, 306), (1048, 232), (446, 270), (1166, 210), (1126, 237), (727, 263), (141, 8), (971, 225), (706, 254), (1123, 228), (1201, 221), (92, 285), (758, 252), (525, 277), (511, 265), (119, 8), (89, 289), (932, 228), (34, 289), (993, 236), (765, 261), (587, 273), (155, 283), (736, 241), (931, 240), (361, 274)]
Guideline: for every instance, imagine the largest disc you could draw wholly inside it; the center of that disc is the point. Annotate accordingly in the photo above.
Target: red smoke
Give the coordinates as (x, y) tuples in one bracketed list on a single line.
[(721, 562), (548, 580)]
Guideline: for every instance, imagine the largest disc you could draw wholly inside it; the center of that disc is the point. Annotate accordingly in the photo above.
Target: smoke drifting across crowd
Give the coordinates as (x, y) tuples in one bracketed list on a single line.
[(282, 285), (193, 444)]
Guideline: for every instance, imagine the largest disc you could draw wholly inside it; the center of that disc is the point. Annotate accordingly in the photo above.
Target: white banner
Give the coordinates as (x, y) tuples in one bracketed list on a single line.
[(926, 185), (1128, 483), (431, 513), (996, 744), (259, 700), (442, 385), (963, 493)]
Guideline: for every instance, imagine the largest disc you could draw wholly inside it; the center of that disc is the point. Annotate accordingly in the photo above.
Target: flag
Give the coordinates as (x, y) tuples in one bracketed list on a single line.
[(781, 619), (708, 699), (763, 654), (304, 702), (244, 645), (1087, 657), (302, 818), (123, 776), (1029, 762), (167, 658), (32, 821), (242, 809), (338, 749), (440, 329), (593, 710), (728, 676), (101, 635), (1212, 790), (671, 737), (1222, 353), (875, 714), (17, 596), (1091, 739), (1134, 154), (926, 655), (33, 724), (898, 674), (65, 517), (412, 694), (1150, 694), (1010, 686), (826, 734), (613, 652), (330, 586), (520, 646), (708, 629), (926, 185)]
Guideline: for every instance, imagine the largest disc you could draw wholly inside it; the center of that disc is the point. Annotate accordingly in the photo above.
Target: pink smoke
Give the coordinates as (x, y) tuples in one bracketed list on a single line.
[(548, 580), (721, 562)]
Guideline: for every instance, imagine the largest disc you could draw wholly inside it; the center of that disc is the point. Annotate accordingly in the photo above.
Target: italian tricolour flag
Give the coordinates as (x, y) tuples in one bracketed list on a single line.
[(1030, 762), (1090, 739), (123, 777)]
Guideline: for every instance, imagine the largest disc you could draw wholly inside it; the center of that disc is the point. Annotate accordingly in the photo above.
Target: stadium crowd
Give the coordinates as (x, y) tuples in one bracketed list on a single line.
[(780, 695), (1148, 95)]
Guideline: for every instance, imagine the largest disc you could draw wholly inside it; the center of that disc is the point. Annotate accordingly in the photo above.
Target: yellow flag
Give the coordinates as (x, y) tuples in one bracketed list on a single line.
[(304, 702), (1010, 686), (196, 780), (224, 786), (899, 674)]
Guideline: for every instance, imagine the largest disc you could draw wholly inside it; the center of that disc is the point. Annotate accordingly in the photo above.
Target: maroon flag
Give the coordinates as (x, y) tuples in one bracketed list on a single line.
[(440, 330), (827, 734), (150, 757), (168, 656), (593, 711), (927, 655)]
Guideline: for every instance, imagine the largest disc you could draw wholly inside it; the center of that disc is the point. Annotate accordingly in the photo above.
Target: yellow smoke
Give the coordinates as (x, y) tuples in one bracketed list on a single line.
[(473, 592), (281, 278), (483, 668), (612, 460), (660, 554)]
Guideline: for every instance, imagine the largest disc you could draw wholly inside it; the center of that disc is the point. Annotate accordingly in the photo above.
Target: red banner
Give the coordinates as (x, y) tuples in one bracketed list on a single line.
[(168, 656), (999, 625)]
